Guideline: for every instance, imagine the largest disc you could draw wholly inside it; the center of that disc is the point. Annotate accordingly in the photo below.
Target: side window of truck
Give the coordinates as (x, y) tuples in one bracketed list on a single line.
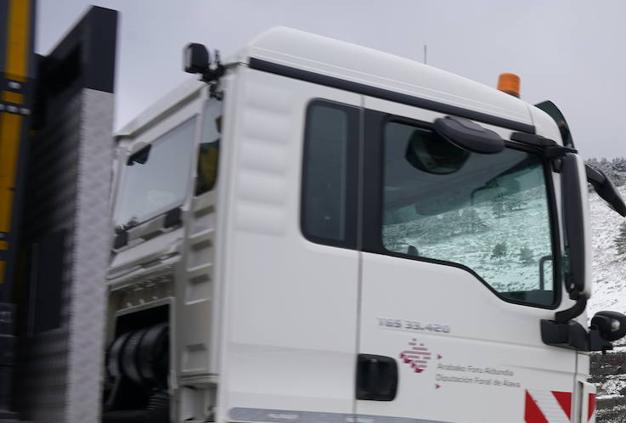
[(329, 174), (489, 214), (208, 150)]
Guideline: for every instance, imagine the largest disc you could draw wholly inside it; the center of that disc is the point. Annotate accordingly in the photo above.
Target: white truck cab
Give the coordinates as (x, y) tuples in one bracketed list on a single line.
[(321, 232)]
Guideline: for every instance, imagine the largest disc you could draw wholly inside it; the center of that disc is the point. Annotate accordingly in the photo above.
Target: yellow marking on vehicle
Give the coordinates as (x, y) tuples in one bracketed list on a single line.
[(10, 126), (4, 245), (11, 97), (18, 40), (3, 266), (6, 200)]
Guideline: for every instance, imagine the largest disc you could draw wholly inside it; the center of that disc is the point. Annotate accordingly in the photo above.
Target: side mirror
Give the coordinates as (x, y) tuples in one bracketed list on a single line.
[(605, 189), (606, 327), (610, 324), (468, 135), (427, 152), (196, 58), (140, 155), (575, 236)]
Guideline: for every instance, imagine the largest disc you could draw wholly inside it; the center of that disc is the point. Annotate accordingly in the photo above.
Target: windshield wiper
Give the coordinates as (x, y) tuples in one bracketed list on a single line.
[(548, 148)]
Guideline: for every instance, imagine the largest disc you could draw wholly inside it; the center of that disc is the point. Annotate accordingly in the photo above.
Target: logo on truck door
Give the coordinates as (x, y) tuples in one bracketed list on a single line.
[(416, 356)]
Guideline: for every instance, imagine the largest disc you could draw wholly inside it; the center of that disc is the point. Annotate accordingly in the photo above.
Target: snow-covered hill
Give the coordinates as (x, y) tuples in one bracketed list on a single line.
[(470, 238), (609, 293), (609, 269)]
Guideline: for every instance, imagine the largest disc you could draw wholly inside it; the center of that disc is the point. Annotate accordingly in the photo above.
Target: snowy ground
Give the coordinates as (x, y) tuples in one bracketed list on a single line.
[(609, 293)]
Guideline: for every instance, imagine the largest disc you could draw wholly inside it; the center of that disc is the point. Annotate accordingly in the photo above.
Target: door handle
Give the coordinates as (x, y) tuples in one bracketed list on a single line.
[(376, 378)]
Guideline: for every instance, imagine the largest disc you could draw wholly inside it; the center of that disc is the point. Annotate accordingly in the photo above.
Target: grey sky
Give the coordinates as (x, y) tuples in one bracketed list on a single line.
[(571, 52)]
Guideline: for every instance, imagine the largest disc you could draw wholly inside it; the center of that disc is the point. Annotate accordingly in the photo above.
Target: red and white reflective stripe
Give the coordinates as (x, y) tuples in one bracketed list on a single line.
[(548, 407), (591, 408)]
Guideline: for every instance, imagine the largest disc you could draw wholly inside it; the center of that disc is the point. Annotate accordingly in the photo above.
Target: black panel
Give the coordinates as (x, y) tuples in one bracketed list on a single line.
[(100, 38), (86, 54), (47, 282)]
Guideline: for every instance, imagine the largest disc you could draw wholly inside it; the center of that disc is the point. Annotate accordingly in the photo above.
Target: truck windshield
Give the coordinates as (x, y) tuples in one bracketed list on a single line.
[(488, 214), (155, 178)]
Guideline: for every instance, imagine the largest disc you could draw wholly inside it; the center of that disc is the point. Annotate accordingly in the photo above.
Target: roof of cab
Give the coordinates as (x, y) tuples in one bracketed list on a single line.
[(186, 91), (350, 62), (339, 59)]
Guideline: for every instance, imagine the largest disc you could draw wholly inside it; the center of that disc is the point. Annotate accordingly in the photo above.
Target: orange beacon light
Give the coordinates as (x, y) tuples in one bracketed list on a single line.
[(509, 83)]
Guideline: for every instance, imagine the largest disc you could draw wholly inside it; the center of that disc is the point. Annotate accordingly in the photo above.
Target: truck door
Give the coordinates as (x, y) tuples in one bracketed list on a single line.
[(291, 289), (457, 270)]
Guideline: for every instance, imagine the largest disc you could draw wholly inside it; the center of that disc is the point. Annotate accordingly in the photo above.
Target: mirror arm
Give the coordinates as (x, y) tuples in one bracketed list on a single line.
[(573, 312), (597, 342)]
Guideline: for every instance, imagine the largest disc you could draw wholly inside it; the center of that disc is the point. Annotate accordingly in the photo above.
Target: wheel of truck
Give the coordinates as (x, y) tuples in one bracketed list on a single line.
[(114, 364), (153, 354), (129, 359)]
